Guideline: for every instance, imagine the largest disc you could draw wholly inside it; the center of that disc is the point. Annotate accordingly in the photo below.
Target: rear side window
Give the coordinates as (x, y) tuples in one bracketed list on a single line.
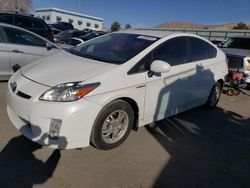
[(199, 49), (38, 24), (213, 51), (173, 51), (6, 19), (23, 22), (1, 35), (16, 36)]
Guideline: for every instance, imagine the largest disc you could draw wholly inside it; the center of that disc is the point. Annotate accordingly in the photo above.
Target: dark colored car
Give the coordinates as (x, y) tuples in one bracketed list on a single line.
[(64, 36), (28, 22), (92, 35), (216, 42), (63, 26)]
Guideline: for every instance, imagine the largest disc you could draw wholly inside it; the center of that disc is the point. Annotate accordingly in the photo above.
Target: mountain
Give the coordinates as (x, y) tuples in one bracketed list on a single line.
[(187, 25)]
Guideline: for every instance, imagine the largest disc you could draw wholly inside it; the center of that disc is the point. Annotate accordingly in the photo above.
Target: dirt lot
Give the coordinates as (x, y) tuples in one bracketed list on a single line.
[(198, 148)]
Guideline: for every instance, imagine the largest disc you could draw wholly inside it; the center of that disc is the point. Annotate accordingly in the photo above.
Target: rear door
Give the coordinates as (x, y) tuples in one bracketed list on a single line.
[(203, 63), (25, 47), (5, 69)]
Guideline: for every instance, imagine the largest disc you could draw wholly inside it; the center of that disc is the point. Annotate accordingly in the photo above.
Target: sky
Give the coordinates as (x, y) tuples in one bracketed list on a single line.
[(150, 13)]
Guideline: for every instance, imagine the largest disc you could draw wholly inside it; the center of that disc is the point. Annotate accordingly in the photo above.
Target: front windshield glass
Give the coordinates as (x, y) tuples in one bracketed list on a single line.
[(115, 48), (240, 43)]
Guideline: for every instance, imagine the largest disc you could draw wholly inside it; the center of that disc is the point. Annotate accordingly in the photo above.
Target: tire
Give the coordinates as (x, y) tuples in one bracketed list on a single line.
[(113, 125), (214, 96), (230, 92)]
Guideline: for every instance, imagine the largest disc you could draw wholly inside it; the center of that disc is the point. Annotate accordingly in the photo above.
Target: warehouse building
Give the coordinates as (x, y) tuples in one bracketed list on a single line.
[(79, 21)]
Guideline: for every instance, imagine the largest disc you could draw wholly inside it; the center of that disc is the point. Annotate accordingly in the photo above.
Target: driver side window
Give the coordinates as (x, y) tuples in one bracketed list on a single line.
[(173, 51)]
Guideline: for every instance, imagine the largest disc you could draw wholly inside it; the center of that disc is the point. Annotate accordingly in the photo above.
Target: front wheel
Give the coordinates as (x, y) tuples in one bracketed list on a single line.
[(214, 96), (112, 125)]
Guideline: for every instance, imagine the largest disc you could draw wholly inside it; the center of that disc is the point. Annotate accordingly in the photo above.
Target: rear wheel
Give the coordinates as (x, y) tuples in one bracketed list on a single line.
[(214, 96), (112, 125)]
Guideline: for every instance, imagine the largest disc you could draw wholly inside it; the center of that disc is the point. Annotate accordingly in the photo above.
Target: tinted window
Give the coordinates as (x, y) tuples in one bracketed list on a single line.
[(74, 42), (241, 43), (2, 38), (21, 37), (38, 24), (198, 49), (174, 52), (142, 65), (235, 62), (23, 22), (213, 51), (6, 19)]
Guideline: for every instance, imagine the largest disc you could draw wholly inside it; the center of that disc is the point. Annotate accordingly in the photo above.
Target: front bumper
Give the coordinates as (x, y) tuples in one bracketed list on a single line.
[(32, 118)]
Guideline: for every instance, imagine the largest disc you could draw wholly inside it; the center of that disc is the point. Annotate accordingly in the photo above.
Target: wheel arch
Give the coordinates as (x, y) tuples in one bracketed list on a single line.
[(221, 82), (135, 108)]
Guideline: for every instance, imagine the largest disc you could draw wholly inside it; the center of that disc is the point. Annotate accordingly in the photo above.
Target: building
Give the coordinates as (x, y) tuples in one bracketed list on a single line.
[(79, 21)]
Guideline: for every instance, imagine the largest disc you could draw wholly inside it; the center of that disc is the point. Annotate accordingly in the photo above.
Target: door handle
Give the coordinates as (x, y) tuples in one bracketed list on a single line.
[(17, 51)]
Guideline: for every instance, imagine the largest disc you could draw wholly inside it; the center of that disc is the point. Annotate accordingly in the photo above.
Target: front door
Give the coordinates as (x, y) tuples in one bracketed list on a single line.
[(166, 92)]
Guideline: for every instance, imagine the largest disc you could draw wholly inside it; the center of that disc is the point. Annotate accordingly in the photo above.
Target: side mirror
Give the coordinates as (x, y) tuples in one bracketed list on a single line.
[(49, 46), (159, 66)]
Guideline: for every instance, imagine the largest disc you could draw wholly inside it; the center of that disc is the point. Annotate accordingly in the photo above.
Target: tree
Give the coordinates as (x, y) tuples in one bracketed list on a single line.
[(127, 26), (116, 26), (16, 5), (241, 25)]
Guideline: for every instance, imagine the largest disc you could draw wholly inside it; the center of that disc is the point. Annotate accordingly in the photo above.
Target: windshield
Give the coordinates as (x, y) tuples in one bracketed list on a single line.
[(115, 48), (240, 43), (65, 33)]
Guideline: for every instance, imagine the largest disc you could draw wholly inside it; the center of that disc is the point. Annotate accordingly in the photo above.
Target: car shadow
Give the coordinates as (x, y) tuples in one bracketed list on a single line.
[(207, 148), (19, 167)]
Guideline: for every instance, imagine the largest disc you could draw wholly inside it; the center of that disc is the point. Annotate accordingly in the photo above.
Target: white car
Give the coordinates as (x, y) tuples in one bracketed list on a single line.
[(98, 91), (19, 46)]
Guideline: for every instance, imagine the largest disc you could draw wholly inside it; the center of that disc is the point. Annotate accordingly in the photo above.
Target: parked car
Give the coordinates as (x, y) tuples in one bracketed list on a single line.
[(91, 35), (98, 91), (28, 22), (217, 42), (19, 46), (64, 36), (63, 26), (75, 41), (237, 50)]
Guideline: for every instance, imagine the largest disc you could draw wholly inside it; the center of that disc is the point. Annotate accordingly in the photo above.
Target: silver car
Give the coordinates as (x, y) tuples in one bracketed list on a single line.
[(237, 50), (19, 46)]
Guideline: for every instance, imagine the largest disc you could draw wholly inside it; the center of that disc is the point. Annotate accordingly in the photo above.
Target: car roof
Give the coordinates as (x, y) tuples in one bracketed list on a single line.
[(21, 14), (148, 32)]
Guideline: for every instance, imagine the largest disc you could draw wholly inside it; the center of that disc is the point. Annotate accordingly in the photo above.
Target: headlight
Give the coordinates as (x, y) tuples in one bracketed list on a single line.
[(68, 92)]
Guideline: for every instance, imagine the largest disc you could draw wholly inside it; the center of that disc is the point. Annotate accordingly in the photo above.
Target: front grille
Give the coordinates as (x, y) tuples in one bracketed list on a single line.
[(235, 62), (23, 95)]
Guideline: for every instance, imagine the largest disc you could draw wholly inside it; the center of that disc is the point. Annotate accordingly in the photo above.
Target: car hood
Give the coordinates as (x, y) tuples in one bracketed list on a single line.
[(64, 67), (237, 52)]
